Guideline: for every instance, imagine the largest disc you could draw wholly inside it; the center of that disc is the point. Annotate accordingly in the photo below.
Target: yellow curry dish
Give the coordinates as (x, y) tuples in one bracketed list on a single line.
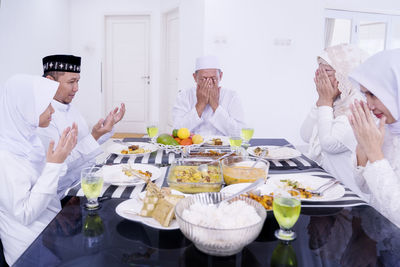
[(244, 169), (238, 174), (188, 179)]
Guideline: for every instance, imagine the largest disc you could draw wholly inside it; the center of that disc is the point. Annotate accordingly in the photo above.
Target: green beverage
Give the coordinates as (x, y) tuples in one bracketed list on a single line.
[(286, 211), (92, 189), (247, 134), (152, 130), (91, 183), (283, 256), (93, 225), (235, 141)]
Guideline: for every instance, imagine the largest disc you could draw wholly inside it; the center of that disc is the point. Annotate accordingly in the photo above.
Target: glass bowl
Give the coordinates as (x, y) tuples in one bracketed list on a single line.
[(217, 241), (238, 169), (184, 176)]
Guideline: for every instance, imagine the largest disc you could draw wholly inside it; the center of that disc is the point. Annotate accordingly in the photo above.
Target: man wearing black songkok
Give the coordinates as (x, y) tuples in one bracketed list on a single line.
[(66, 69)]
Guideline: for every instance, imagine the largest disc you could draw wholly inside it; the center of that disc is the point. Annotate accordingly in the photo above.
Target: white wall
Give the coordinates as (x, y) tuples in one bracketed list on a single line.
[(30, 30), (274, 82), (192, 34)]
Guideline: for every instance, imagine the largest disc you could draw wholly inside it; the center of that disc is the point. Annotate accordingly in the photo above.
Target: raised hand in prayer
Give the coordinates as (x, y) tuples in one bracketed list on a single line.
[(103, 126), (118, 113), (327, 91), (65, 145), (203, 94), (214, 95), (369, 136)]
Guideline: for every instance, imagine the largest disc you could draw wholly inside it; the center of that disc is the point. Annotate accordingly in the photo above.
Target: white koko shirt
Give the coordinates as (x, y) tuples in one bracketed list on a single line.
[(85, 151), (28, 202), (381, 179), (227, 120), (332, 144)]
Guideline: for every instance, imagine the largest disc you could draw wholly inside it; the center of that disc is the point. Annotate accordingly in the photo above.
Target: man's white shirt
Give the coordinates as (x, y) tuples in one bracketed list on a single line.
[(85, 151), (227, 120)]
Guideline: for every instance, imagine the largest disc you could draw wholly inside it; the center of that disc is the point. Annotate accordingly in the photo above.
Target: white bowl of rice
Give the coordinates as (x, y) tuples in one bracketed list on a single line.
[(222, 230)]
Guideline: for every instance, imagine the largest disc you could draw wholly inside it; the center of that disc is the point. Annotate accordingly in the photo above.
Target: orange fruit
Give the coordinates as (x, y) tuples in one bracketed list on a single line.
[(186, 142), (178, 139)]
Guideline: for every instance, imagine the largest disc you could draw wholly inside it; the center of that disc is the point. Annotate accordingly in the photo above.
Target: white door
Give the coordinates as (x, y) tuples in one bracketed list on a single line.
[(171, 57), (127, 76)]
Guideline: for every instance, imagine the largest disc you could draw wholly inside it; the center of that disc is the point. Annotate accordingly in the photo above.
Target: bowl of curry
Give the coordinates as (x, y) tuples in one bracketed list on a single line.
[(240, 169), (185, 176)]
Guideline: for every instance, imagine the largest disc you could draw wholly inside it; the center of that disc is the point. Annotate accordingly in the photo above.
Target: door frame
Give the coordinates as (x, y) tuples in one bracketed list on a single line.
[(103, 63), (163, 66)]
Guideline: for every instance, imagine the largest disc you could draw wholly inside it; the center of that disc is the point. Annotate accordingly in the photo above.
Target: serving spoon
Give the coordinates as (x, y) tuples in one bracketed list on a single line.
[(244, 190), (204, 167), (259, 158)]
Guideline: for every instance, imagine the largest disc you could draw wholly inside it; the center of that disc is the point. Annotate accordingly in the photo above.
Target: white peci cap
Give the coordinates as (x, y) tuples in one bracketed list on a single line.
[(207, 62)]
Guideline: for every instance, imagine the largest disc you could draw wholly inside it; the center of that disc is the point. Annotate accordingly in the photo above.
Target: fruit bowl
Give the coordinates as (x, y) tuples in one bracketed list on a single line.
[(177, 149)]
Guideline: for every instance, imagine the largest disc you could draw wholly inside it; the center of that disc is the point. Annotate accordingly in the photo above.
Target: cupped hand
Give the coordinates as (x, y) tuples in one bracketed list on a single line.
[(214, 96), (203, 94), (118, 113), (203, 91), (369, 136), (326, 91), (65, 145), (103, 126)]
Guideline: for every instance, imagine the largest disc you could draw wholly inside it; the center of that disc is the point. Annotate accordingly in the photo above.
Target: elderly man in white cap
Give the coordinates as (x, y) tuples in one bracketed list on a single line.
[(208, 109)]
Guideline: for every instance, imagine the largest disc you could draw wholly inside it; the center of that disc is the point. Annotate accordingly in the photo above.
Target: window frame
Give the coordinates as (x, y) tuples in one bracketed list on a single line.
[(355, 17)]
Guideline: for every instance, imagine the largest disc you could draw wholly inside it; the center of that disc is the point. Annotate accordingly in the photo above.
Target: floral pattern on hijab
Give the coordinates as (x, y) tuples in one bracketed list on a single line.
[(380, 74), (23, 99), (343, 58)]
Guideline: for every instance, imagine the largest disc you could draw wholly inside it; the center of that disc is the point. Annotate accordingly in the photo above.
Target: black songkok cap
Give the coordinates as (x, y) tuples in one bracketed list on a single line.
[(65, 63)]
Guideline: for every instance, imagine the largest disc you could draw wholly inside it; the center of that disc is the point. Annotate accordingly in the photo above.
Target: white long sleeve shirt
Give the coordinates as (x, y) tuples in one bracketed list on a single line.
[(332, 144), (382, 179), (28, 202), (85, 151), (227, 120)]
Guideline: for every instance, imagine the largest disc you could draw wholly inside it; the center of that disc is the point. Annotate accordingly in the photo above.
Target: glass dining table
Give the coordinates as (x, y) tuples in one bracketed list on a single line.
[(344, 232)]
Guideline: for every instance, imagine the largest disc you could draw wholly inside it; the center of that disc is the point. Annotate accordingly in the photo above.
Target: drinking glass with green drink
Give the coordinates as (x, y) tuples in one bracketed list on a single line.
[(235, 141), (152, 129), (246, 134), (91, 183), (286, 207)]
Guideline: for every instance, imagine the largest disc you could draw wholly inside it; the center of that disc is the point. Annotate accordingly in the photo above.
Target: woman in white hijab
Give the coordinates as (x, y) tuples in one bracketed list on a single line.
[(378, 148), (327, 129), (28, 191)]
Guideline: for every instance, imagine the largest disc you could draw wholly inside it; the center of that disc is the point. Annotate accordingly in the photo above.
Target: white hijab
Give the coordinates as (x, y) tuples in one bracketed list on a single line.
[(343, 58), (380, 74), (23, 99)]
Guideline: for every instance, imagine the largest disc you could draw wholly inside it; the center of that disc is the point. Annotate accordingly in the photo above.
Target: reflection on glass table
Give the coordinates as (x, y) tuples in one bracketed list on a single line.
[(93, 230), (283, 255)]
